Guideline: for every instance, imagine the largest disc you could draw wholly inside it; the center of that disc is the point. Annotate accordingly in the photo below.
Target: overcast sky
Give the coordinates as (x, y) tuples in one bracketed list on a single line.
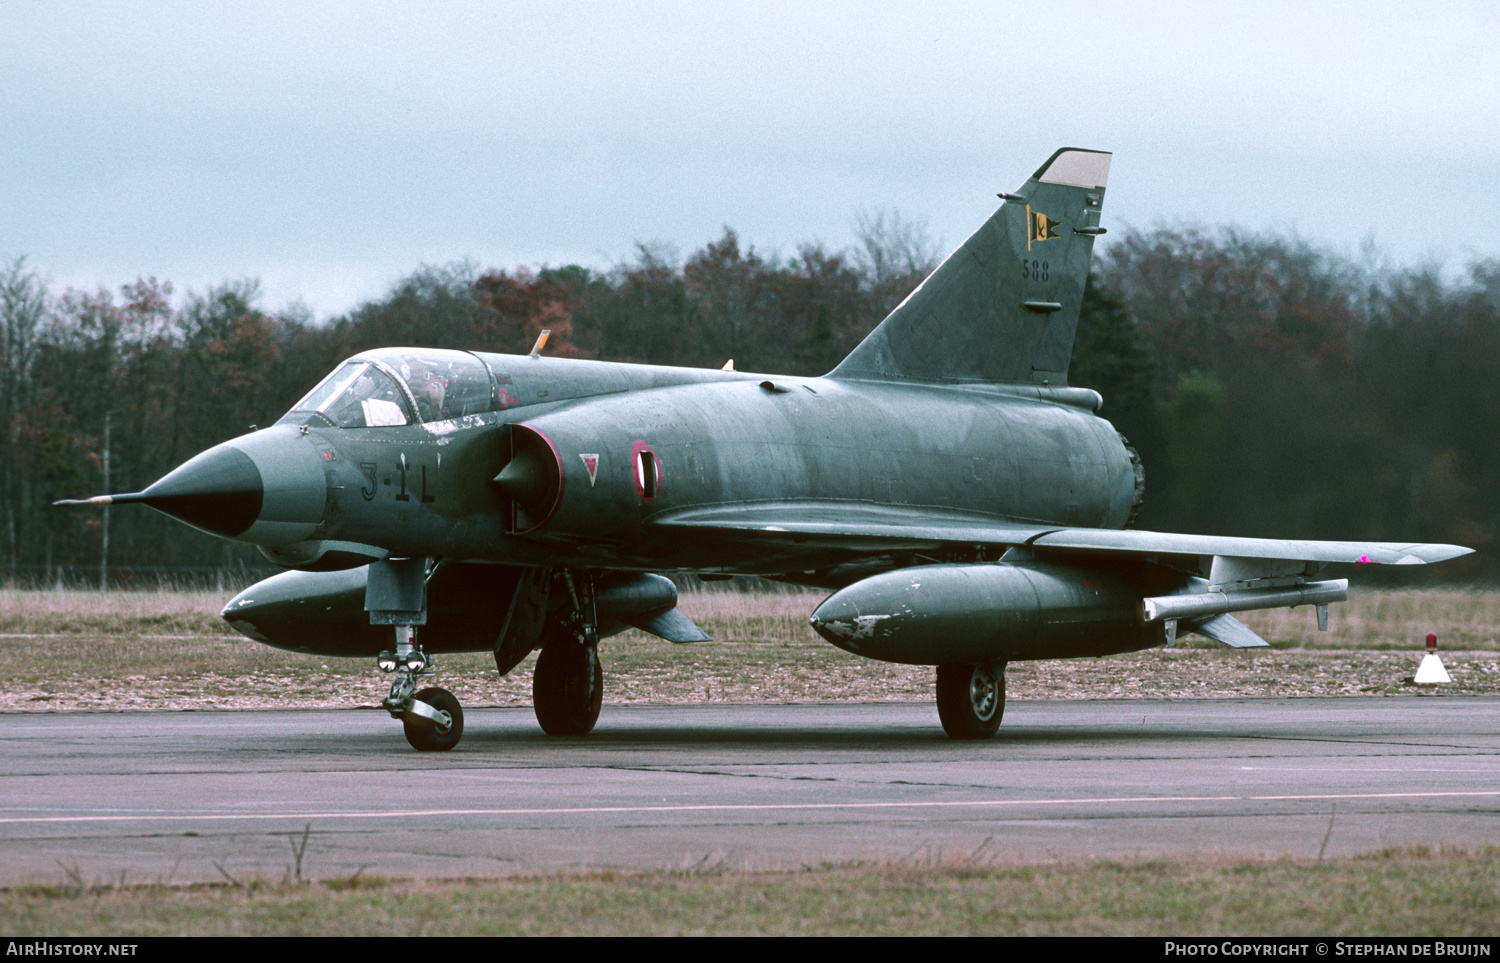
[(330, 148)]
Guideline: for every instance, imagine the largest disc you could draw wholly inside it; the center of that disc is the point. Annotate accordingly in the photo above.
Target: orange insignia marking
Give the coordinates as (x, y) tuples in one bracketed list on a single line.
[(1043, 228)]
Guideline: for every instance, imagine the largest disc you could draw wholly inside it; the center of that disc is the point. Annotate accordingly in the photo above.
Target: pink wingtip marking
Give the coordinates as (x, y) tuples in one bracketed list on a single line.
[(1364, 560)]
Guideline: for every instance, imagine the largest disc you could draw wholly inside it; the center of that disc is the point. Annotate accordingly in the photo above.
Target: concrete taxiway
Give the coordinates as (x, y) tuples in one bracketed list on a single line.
[(187, 796)]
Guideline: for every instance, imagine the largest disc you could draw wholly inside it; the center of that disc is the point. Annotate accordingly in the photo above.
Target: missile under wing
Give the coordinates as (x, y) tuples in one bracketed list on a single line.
[(966, 506)]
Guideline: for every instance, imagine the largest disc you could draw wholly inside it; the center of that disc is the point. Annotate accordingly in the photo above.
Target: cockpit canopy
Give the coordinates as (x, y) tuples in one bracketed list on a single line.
[(400, 386)]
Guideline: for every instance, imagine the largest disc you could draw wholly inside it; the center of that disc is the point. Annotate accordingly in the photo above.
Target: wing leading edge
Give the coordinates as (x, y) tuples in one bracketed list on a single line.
[(1133, 542), (861, 526)]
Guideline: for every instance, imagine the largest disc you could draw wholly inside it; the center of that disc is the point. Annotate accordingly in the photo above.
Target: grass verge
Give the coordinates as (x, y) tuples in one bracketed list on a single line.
[(1414, 892)]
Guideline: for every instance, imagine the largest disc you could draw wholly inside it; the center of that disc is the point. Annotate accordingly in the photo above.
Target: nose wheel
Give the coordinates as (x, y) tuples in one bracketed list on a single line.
[(435, 721)]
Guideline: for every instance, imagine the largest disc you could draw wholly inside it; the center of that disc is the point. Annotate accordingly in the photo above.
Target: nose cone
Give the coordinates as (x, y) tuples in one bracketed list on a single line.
[(268, 488), (219, 491)]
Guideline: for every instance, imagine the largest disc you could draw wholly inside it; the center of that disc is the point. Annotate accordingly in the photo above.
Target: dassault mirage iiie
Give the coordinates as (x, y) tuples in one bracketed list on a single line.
[(964, 503)]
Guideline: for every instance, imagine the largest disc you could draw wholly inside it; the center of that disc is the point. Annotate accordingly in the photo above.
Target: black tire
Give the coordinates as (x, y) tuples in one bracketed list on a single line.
[(971, 699), (567, 688), (426, 735)]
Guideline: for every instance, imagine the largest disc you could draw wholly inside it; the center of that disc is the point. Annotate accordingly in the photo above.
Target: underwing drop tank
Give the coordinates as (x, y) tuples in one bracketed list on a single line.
[(997, 612), (325, 613)]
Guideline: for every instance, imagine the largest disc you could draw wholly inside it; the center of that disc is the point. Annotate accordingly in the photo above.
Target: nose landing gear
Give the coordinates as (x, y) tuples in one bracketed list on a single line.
[(432, 718), (396, 595)]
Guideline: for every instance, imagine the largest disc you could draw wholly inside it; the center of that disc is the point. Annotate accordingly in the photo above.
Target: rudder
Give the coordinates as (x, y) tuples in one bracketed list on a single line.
[(1004, 306)]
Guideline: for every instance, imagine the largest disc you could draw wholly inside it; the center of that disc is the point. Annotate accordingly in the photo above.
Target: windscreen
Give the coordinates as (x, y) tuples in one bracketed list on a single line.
[(358, 395), (362, 392)]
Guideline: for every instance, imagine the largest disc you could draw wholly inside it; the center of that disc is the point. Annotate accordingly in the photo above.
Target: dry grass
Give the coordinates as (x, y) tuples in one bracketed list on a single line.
[(159, 650), (82, 612), (1464, 620), (1403, 893)]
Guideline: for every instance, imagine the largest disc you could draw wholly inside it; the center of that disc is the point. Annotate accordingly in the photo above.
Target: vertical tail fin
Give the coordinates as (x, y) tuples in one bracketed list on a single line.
[(1004, 306)]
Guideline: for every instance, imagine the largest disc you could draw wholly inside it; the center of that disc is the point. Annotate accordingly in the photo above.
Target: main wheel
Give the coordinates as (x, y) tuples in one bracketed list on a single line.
[(971, 699), (426, 735), (567, 688)]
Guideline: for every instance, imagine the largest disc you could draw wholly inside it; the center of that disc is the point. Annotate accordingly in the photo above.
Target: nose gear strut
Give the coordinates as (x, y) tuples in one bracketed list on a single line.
[(396, 594)]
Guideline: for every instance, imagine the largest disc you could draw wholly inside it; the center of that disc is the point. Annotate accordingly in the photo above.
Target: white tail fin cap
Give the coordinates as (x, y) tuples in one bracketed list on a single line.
[(1078, 168)]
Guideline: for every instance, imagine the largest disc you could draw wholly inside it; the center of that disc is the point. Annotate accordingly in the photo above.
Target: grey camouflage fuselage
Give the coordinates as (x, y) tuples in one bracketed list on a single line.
[(968, 505)]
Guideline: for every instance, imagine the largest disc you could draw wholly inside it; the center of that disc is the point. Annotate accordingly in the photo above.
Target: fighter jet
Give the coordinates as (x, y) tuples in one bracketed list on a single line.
[(963, 503)]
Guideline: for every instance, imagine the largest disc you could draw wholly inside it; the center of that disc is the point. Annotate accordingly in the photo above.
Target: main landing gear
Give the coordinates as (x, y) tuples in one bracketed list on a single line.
[(971, 699), (567, 688)]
